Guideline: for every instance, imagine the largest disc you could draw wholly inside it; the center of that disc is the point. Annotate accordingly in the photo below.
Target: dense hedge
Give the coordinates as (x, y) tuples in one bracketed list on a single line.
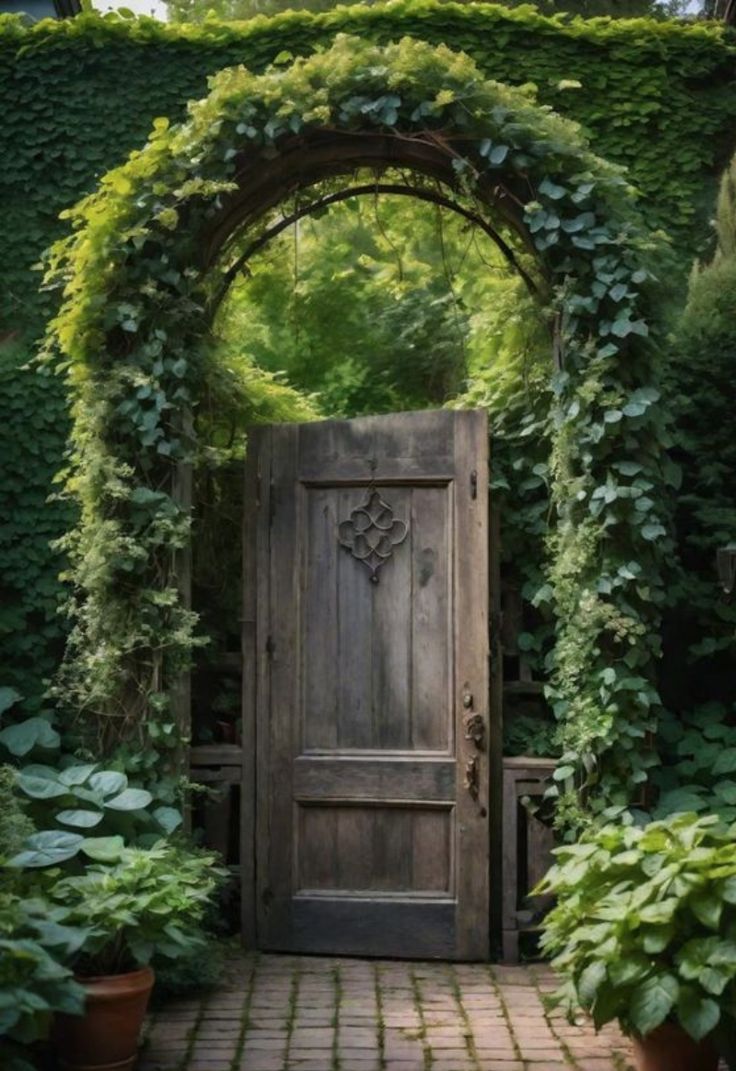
[(78, 95)]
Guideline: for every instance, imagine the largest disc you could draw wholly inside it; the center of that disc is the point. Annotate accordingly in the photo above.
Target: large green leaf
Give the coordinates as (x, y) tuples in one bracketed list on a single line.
[(48, 848), (77, 775), (33, 732), (169, 818), (80, 819), (699, 1015), (132, 799), (103, 849), (40, 788), (108, 782), (652, 1002)]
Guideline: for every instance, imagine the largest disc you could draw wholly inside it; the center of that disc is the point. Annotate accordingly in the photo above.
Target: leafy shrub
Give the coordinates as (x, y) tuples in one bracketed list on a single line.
[(698, 772), (15, 825), (33, 982), (644, 929), (149, 904)]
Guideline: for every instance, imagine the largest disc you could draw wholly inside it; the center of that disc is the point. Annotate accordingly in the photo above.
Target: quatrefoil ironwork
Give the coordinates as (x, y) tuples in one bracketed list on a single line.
[(371, 532)]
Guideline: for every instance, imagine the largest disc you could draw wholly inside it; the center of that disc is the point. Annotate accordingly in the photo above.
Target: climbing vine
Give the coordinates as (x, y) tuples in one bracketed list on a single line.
[(131, 338)]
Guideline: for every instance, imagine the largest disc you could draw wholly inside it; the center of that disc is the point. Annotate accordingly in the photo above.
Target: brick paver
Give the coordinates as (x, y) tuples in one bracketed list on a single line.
[(299, 1013)]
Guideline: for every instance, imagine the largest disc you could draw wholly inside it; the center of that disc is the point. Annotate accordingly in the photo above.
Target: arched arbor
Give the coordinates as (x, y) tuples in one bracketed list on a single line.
[(150, 256)]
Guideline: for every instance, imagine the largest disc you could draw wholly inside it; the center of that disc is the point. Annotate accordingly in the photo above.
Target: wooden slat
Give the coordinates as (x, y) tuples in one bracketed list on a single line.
[(249, 655), (471, 666), (356, 724), (391, 637), (431, 686), (279, 720), (216, 755), (320, 619), (362, 778), (263, 677)]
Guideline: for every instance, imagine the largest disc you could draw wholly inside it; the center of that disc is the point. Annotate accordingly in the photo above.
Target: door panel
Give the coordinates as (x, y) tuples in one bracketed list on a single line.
[(372, 630)]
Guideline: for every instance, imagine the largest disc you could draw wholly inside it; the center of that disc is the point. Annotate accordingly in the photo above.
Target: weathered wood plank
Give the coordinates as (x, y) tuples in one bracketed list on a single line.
[(320, 625), (471, 667), (370, 777), (372, 927), (431, 585)]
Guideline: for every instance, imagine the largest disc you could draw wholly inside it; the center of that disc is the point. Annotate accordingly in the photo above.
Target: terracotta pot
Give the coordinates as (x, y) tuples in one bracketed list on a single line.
[(106, 1037), (670, 1048)]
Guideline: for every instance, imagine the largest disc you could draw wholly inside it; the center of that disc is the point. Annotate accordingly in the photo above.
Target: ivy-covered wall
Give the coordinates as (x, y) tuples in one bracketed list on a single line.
[(78, 95)]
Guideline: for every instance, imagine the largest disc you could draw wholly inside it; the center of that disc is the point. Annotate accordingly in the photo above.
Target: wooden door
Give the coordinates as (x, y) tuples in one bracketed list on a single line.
[(371, 591)]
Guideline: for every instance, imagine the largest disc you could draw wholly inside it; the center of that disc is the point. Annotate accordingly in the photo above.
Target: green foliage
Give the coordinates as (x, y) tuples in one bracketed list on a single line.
[(698, 753), (33, 983), (199, 10), (644, 929), (700, 380), (655, 97), (131, 339), (194, 973), (51, 808), (149, 904), (367, 307), (15, 825)]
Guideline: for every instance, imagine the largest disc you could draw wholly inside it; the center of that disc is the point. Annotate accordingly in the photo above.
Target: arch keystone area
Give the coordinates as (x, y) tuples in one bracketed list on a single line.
[(142, 272)]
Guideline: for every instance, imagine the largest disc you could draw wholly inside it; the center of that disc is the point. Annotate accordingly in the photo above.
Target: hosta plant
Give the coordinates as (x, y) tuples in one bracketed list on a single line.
[(644, 928)]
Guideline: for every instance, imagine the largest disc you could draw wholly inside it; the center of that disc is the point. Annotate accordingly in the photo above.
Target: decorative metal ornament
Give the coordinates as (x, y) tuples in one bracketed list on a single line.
[(371, 532)]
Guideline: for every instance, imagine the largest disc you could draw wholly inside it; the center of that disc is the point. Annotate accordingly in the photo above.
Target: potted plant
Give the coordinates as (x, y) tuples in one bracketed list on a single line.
[(148, 904), (644, 931)]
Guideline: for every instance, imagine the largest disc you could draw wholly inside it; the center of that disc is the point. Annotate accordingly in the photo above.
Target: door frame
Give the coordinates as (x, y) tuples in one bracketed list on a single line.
[(254, 637)]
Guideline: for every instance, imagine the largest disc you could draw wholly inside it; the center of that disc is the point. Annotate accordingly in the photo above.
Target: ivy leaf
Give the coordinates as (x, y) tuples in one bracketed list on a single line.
[(549, 189)]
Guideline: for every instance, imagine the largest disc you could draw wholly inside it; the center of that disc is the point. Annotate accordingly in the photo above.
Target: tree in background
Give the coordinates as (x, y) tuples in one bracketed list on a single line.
[(380, 304), (197, 10)]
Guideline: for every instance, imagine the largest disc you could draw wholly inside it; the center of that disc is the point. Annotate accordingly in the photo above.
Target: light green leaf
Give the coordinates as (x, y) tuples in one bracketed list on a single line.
[(132, 799), (108, 782), (103, 849), (80, 819)]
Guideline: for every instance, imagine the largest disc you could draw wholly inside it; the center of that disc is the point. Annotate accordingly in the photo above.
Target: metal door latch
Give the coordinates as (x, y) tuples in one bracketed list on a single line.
[(471, 776), (475, 730)]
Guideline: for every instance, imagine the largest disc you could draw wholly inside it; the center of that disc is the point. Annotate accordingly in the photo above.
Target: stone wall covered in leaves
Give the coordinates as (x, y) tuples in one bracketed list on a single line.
[(658, 98)]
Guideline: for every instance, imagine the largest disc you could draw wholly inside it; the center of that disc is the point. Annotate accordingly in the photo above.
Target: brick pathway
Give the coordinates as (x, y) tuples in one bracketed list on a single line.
[(290, 1013)]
